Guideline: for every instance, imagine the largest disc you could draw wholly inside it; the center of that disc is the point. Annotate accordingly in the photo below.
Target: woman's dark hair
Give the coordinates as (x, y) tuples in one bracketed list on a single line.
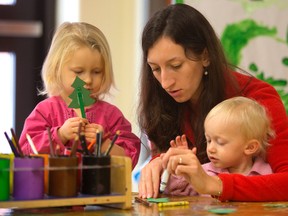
[(160, 116)]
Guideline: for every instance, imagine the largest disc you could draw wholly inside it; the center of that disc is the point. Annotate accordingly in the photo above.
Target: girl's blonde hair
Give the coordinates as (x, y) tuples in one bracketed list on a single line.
[(251, 118), (68, 38)]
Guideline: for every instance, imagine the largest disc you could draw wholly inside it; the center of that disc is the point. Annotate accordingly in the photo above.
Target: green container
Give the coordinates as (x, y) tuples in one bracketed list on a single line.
[(4, 179), (11, 158)]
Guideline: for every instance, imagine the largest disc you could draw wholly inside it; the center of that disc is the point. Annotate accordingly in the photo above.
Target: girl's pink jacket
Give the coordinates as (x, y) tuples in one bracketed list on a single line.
[(53, 112)]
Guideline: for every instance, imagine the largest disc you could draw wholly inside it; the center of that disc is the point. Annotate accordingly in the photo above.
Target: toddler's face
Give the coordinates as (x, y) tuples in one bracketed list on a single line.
[(88, 65), (225, 143)]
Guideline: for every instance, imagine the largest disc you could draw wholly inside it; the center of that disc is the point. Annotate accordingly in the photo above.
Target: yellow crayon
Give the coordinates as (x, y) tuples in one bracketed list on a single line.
[(176, 203)]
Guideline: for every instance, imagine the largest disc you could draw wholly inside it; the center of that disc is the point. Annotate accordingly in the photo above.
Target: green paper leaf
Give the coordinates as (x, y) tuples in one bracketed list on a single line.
[(222, 210), (158, 200), (276, 205), (80, 96)]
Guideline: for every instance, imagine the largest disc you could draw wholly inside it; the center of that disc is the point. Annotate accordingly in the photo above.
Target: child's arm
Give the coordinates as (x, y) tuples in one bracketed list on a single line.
[(47, 114), (127, 140), (35, 125)]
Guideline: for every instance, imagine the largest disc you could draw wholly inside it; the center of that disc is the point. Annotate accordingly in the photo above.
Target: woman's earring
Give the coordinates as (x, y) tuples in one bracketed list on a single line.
[(205, 72)]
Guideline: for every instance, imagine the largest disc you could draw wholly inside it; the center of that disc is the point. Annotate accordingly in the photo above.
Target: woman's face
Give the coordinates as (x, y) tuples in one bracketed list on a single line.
[(88, 65), (178, 75)]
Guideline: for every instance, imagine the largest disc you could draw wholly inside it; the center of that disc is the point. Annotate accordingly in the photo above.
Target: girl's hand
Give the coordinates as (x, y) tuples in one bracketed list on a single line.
[(90, 131), (150, 179), (70, 128)]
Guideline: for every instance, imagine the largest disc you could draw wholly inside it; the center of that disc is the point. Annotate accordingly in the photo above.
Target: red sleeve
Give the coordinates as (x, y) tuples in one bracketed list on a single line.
[(272, 187)]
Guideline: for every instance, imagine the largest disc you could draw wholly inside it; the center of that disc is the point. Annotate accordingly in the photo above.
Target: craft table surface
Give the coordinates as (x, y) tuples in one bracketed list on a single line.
[(197, 206)]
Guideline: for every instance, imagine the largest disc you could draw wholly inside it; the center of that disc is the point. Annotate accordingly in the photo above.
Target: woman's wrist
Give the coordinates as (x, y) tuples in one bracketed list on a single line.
[(216, 187)]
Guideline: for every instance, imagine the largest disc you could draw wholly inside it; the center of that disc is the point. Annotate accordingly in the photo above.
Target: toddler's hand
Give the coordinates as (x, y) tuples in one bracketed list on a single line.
[(179, 142)]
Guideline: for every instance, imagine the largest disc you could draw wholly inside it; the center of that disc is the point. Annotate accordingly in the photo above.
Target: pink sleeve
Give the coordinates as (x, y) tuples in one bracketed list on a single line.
[(127, 140), (35, 125), (178, 186)]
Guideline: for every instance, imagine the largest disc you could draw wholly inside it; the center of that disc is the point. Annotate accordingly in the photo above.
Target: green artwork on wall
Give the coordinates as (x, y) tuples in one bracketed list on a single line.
[(236, 37)]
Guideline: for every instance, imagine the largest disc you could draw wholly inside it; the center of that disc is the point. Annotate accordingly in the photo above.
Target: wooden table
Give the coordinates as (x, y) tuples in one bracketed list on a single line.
[(197, 206)]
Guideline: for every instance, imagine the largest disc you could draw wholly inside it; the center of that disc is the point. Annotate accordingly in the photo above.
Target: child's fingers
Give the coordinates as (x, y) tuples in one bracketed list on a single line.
[(184, 142), (173, 144)]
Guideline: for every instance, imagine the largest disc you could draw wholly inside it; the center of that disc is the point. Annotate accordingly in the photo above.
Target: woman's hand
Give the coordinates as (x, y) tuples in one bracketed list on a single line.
[(69, 130), (150, 179), (184, 162)]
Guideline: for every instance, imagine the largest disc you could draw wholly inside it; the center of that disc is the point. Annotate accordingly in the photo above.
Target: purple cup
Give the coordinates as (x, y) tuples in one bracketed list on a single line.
[(28, 178)]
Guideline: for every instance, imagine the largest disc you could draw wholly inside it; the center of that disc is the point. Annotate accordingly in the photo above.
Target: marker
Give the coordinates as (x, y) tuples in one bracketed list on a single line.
[(164, 180), (83, 143), (175, 203), (112, 143), (97, 150)]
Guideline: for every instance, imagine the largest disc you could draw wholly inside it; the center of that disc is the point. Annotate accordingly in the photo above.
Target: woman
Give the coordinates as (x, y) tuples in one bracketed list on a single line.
[(184, 75)]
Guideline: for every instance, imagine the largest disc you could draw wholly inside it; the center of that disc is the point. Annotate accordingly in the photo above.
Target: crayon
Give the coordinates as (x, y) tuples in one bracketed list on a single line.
[(175, 203), (143, 201)]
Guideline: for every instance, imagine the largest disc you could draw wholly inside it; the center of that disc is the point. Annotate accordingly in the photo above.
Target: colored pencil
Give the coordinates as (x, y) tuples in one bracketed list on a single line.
[(112, 143), (74, 147), (13, 148), (50, 142), (16, 142), (91, 144), (31, 144)]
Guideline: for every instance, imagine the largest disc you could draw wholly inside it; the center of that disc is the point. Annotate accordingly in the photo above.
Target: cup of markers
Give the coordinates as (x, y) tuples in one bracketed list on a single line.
[(96, 175), (96, 168), (28, 181), (28, 171)]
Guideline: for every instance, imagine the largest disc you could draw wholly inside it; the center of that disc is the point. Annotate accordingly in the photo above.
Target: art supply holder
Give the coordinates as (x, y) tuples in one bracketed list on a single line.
[(120, 197)]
